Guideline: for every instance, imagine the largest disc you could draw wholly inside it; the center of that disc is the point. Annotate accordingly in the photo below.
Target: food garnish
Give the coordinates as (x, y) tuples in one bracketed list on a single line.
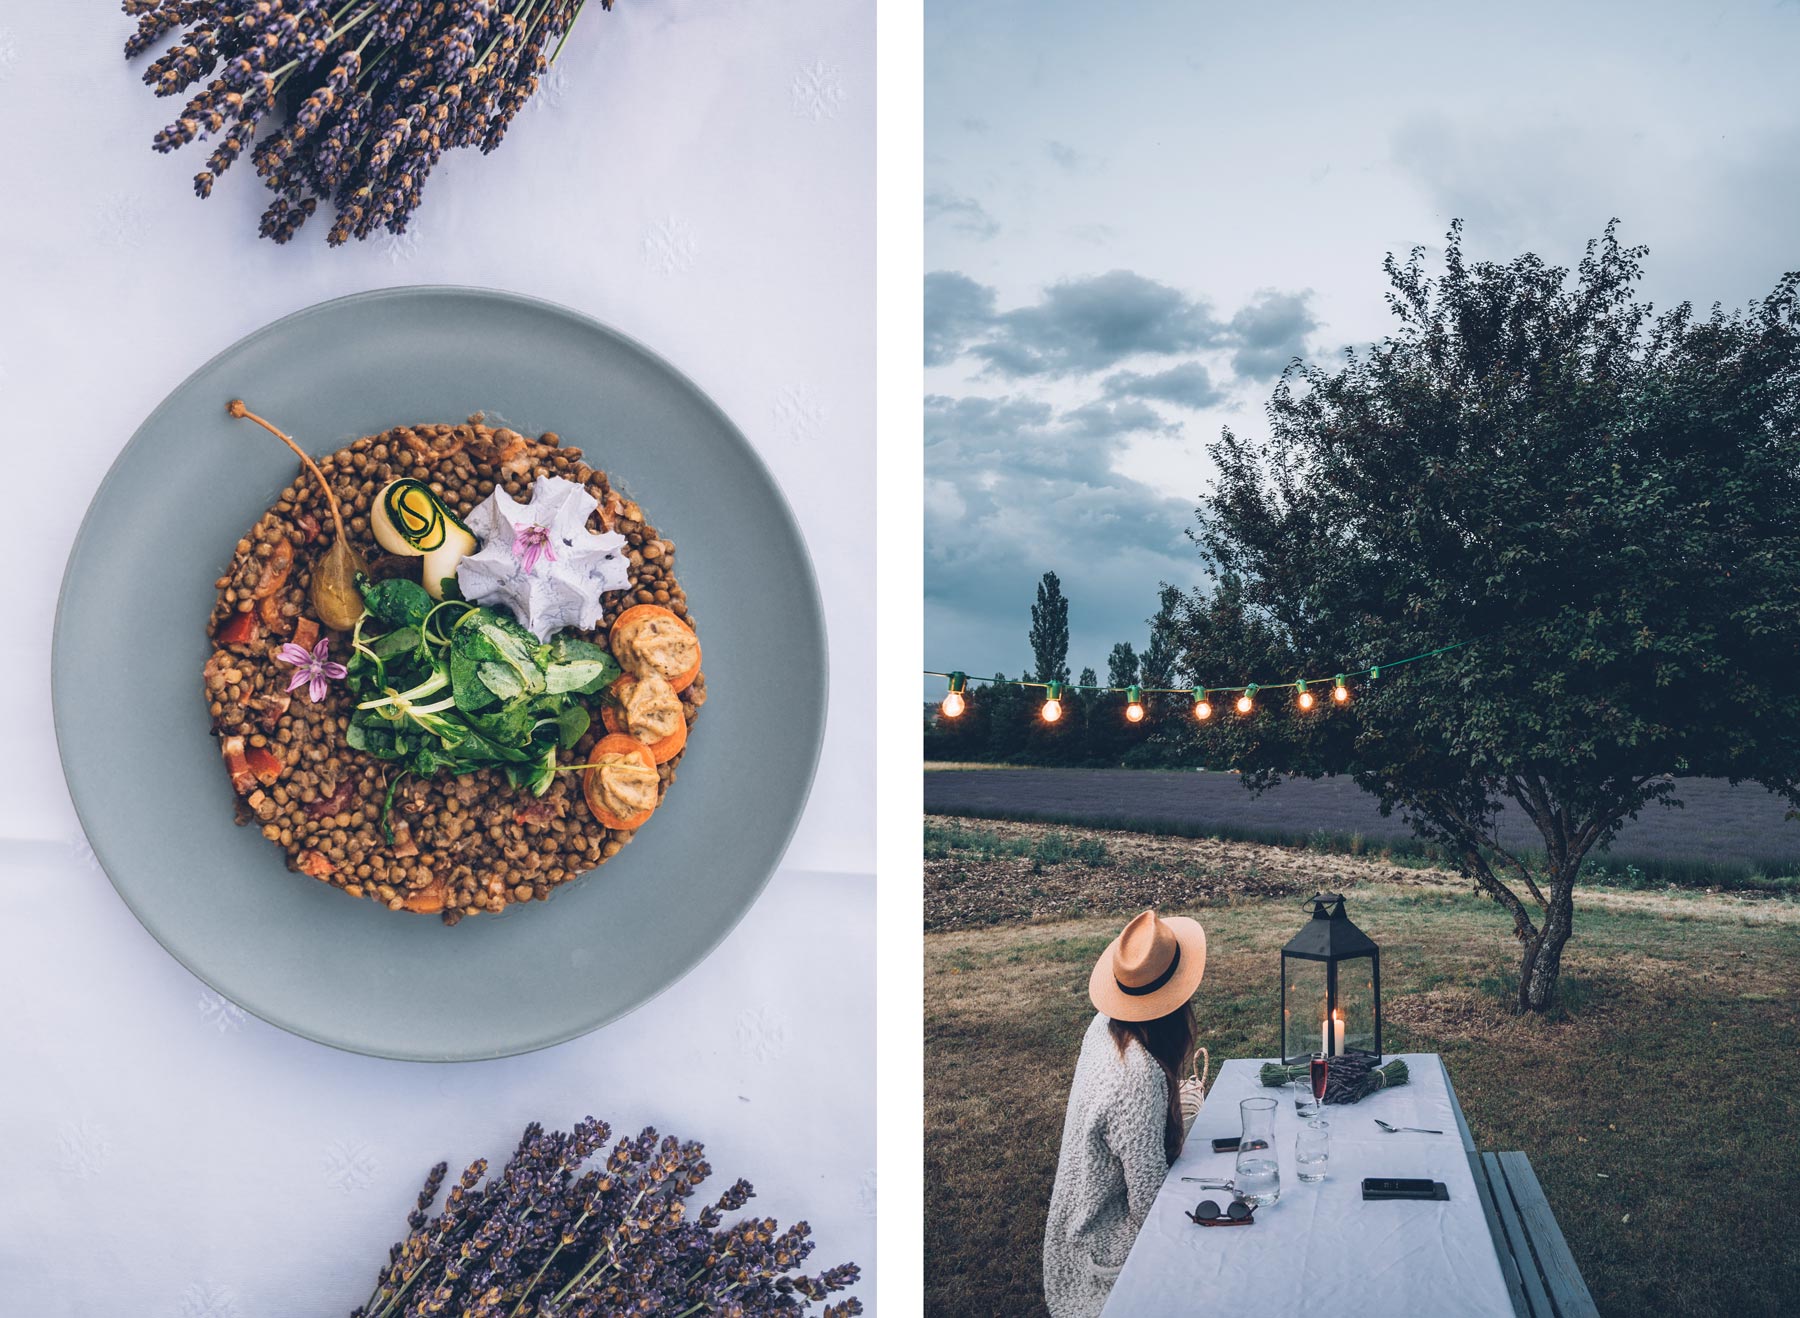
[(539, 561), (334, 595), (314, 669), (649, 711), (620, 782), (410, 520), (650, 641)]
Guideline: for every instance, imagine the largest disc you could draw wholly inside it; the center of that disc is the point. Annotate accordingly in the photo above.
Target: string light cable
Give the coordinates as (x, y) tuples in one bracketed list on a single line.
[(1246, 693)]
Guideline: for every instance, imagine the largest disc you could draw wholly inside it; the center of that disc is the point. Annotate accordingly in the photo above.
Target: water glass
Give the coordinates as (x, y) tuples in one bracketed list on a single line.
[(1304, 1103), (1258, 1178), (1312, 1150)]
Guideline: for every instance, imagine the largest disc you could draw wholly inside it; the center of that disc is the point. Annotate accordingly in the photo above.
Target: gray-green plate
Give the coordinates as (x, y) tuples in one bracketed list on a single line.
[(145, 773)]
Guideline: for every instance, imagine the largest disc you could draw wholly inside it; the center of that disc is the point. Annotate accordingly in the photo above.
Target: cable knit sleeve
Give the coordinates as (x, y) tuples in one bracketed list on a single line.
[(1134, 1130)]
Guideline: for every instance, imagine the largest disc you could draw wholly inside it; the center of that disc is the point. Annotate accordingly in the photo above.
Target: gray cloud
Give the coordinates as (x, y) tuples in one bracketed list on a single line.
[(964, 214), (1088, 324), (957, 310), (1186, 385), (1016, 487), (1270, 332), (1065, 155)]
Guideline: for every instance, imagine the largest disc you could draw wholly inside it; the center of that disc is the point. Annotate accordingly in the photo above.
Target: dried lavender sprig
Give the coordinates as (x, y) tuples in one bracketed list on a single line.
[(377, 91)]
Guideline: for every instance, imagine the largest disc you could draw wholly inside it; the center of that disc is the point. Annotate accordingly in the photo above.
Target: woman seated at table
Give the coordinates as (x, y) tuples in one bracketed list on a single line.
[(1124, 1124)]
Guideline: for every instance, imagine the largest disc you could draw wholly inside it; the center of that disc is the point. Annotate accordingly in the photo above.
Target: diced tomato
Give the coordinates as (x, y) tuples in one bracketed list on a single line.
[(306, 633), (243, 777), (238, 629), (263, 763), (270, 612), (275, 570), (315, 864)]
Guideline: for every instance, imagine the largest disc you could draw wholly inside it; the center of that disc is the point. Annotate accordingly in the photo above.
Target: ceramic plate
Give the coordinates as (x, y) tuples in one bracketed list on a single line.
[(144, 770)]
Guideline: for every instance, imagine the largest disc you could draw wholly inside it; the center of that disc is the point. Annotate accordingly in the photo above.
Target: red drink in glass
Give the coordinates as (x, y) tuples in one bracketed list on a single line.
[(1321, 1068)]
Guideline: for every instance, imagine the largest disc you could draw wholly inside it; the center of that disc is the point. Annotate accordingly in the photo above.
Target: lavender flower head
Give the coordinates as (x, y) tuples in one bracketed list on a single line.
[(531, 546), (557, 1234), (313, 669)]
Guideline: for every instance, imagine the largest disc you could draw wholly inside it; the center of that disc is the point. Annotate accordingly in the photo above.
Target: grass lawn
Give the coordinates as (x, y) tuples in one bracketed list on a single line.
[(1658, 1106)]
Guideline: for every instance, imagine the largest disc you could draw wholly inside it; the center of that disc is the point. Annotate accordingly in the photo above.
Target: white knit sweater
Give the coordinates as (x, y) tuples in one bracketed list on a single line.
[(1111, 1167)]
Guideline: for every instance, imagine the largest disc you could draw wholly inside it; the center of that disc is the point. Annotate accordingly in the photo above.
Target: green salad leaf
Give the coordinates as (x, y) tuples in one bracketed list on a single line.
[(451, 687)]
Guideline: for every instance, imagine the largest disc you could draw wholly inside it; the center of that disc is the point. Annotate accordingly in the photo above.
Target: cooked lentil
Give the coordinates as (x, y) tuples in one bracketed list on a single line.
[(461, 844)]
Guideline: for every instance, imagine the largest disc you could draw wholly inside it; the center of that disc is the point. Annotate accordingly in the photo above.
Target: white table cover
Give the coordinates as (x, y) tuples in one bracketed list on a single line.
[(1322, 1249), (699, 175)]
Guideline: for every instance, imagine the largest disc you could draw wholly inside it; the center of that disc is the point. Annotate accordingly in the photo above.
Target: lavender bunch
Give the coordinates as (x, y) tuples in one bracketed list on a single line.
[(552, 1236), (355, 100)]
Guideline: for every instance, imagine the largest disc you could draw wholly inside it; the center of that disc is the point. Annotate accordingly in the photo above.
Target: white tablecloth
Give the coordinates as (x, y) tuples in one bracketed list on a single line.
[(699, 175), (1322, 1249)]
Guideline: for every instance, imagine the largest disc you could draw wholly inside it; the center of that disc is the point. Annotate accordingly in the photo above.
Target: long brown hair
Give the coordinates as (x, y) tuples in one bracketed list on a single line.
[(1170, 1040)]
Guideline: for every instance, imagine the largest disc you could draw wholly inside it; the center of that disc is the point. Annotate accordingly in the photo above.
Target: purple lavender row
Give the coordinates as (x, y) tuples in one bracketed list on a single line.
[(355, 100), (552, 1237)]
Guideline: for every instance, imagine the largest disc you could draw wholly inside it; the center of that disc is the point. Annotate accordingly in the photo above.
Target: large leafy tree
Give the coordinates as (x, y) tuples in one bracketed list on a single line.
[(1050, 631), (1605, 500)]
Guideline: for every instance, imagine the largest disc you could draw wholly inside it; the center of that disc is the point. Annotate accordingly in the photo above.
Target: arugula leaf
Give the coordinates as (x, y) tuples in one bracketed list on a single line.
[(572, 724)]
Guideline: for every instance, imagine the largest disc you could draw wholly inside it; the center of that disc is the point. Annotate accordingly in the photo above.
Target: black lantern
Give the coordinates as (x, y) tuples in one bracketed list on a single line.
[(1330, 987)]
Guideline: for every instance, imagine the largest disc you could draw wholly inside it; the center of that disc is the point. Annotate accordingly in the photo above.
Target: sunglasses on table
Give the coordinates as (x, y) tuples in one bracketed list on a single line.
[(1236, 1213)]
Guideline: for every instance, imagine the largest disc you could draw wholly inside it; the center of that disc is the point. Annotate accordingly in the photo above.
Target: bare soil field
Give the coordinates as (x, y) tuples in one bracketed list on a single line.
[(1719, 823)]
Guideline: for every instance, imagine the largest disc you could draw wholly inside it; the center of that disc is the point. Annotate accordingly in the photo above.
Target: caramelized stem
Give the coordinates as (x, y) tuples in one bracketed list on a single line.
[(236, 408)]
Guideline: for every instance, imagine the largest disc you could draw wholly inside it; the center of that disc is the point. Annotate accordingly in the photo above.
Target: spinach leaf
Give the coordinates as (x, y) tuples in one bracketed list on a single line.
[(572, 722), (397, 602), (578, 666)]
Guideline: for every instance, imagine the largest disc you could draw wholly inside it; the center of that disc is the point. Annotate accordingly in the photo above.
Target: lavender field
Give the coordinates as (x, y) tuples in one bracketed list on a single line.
[(1721, 833)]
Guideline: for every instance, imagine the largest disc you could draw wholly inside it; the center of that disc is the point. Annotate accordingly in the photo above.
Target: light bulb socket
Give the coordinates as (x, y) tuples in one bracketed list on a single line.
[(1053, 690), (1134, 695), (1300, 685), (957, 682)]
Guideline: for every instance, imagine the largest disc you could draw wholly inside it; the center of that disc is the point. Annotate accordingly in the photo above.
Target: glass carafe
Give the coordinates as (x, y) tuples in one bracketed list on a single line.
[(1258, 1176)]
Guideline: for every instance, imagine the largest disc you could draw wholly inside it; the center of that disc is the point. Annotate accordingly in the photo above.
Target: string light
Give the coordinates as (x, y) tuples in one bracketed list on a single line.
[(953, 702)]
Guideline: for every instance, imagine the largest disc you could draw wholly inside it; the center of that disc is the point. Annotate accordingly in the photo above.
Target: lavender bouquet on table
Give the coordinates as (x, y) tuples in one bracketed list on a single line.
[(1350, 1078), (550, 1237), (363, 96)]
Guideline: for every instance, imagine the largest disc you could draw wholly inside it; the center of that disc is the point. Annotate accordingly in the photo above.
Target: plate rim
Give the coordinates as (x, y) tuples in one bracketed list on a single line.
[(813, 597)]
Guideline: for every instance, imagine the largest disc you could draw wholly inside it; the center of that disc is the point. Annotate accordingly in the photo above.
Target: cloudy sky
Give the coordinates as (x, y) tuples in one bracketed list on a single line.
[(1132, 223)]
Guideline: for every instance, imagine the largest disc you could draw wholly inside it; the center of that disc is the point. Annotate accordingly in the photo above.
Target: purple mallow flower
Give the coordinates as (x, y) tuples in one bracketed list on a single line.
[(531, 546), (313, 669)]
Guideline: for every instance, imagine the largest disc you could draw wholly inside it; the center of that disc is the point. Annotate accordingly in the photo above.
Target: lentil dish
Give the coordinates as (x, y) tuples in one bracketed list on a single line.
[(461, 844)]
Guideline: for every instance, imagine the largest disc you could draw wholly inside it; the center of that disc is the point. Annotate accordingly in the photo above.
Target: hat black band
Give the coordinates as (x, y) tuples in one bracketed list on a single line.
[(1143, 990)]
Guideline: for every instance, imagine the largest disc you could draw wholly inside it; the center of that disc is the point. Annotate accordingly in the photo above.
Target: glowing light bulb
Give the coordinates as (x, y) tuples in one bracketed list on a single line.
[(1305, 700), (1052, 710), (1134, 703), (1341, 694), (953, 704), (1202, 710), (1134, 712), (1245, 704)]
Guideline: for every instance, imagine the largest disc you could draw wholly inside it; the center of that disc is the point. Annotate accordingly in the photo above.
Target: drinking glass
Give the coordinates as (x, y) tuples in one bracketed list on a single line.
[(1305, 1105), (1320, 1074), (1312, 1150), (1258, 1178)]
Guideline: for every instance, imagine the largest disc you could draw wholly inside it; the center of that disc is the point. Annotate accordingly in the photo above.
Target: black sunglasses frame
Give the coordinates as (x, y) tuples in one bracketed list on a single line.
[(1208, 1213)]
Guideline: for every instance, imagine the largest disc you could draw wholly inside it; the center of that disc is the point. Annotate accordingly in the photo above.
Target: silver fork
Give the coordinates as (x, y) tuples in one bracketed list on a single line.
[(1395, 1130)]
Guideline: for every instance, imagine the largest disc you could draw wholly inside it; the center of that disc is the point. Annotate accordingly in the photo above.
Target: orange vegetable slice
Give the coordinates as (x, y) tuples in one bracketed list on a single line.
[(263, 763), (613, 717), (590, 780), (637, 614), (238, 629), (426, 900)]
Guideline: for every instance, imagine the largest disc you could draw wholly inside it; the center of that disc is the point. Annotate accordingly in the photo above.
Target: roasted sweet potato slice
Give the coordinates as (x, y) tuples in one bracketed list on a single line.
[(640, 613), (663, 750), (590, 781)]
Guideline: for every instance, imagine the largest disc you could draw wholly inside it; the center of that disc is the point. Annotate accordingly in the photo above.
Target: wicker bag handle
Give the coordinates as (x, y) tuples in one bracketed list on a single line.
[(1193, 1086)]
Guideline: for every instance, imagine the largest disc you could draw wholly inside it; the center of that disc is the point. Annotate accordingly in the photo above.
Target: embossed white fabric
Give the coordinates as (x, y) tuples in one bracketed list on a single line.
[(1322, 1248), (697, 174)]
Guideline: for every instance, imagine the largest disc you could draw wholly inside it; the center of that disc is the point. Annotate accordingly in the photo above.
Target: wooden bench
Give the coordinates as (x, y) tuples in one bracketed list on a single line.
[(1540, 1271)]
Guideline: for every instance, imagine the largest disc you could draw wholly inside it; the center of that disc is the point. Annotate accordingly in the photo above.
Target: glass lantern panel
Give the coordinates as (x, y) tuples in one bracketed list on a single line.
[(1303, 1031), (1356, 1004)]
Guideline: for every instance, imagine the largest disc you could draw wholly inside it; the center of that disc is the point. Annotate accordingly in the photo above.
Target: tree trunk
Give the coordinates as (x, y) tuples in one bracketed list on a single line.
[(1542, 960)]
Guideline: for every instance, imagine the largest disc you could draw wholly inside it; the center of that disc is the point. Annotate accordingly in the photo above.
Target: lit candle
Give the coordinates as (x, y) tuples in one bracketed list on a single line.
[(1331, 1035)]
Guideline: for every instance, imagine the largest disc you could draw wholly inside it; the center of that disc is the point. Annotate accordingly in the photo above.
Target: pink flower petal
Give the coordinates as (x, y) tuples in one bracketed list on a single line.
[(322, 650), (300, 678), (293, 654), (316, 691), (333, 670)]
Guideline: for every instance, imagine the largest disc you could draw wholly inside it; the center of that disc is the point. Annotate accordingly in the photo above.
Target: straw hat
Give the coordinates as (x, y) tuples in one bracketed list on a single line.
[(1151, 969)]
